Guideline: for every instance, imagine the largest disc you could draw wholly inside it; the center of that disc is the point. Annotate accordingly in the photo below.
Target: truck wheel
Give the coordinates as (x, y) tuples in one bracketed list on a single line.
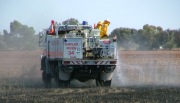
[(103, 83), (107, 83), (63, 83), (46, 79), (98, 83), (43, 62)]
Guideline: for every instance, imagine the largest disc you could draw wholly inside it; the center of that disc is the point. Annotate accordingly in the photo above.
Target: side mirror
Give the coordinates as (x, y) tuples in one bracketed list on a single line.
[(41, 39)]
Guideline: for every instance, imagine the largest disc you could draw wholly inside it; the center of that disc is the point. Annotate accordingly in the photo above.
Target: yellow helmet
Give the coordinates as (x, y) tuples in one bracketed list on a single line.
[(100, 23), (107, 21)]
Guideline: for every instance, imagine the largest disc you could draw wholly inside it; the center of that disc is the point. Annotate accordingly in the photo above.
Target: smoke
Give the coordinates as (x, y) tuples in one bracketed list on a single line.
[(143, 68)]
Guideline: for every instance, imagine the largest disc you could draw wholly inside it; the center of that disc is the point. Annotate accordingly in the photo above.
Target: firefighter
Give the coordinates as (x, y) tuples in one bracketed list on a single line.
[(99, 25), (104, 29)]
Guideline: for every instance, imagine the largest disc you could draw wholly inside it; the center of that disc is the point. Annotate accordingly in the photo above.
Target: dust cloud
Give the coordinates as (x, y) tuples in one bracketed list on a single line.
[(156, 69), (20, 68)]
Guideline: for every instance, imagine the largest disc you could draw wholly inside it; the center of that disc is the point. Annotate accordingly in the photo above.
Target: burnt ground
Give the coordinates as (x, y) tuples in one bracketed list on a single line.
[(90, 95)]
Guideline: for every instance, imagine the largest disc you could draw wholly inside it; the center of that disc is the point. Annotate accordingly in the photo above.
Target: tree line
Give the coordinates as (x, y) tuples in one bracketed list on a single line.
[(149, 38), (22, 37)]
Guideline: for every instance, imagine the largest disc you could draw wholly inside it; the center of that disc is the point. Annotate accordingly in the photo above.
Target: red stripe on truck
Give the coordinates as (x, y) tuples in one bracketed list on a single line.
[(72, 62), (77, 62)]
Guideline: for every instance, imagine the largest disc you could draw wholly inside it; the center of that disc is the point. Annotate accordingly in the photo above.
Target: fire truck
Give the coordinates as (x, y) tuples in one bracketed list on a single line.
[(80, 52)]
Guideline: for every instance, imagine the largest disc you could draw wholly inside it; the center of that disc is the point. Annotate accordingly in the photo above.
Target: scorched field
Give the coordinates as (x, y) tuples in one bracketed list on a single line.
[(140, 77)]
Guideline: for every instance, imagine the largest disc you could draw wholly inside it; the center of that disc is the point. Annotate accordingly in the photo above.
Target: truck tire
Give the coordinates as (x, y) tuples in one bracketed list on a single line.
[(106, 83), (63, 84), (103, 83), (43, 62), (98, 83), (46, 79)]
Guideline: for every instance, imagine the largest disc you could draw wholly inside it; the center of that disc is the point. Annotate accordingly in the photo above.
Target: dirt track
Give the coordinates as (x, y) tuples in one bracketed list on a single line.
[(140, 77)]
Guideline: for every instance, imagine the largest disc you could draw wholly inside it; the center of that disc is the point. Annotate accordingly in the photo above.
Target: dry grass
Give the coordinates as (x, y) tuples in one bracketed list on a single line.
[(15, 64)]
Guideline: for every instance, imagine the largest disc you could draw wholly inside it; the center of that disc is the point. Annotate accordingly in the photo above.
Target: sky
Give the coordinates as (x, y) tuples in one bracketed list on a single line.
[(121, 13)]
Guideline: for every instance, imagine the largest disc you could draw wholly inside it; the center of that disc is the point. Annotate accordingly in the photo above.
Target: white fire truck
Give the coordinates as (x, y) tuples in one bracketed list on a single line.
[(77, 52)]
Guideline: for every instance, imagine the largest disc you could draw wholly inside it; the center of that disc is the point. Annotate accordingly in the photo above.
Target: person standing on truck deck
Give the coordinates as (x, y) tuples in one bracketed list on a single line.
[(104, 29)]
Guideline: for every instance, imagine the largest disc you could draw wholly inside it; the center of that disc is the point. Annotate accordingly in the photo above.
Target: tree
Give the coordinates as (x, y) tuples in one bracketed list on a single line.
[(169, 45), (21, 37), (15, 27), (177, 38), (2, 44), (148, 38), (5, 32), (124, 37), (142, 40), (70, 21)]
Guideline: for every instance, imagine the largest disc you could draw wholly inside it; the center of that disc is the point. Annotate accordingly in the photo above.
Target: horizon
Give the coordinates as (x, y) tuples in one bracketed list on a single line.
[(127, 14)]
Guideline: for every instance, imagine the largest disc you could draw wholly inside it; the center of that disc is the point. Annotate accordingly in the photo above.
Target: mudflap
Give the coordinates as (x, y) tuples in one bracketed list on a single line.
[(104, 79), (63, 75), (106, 76), (46, 79)]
